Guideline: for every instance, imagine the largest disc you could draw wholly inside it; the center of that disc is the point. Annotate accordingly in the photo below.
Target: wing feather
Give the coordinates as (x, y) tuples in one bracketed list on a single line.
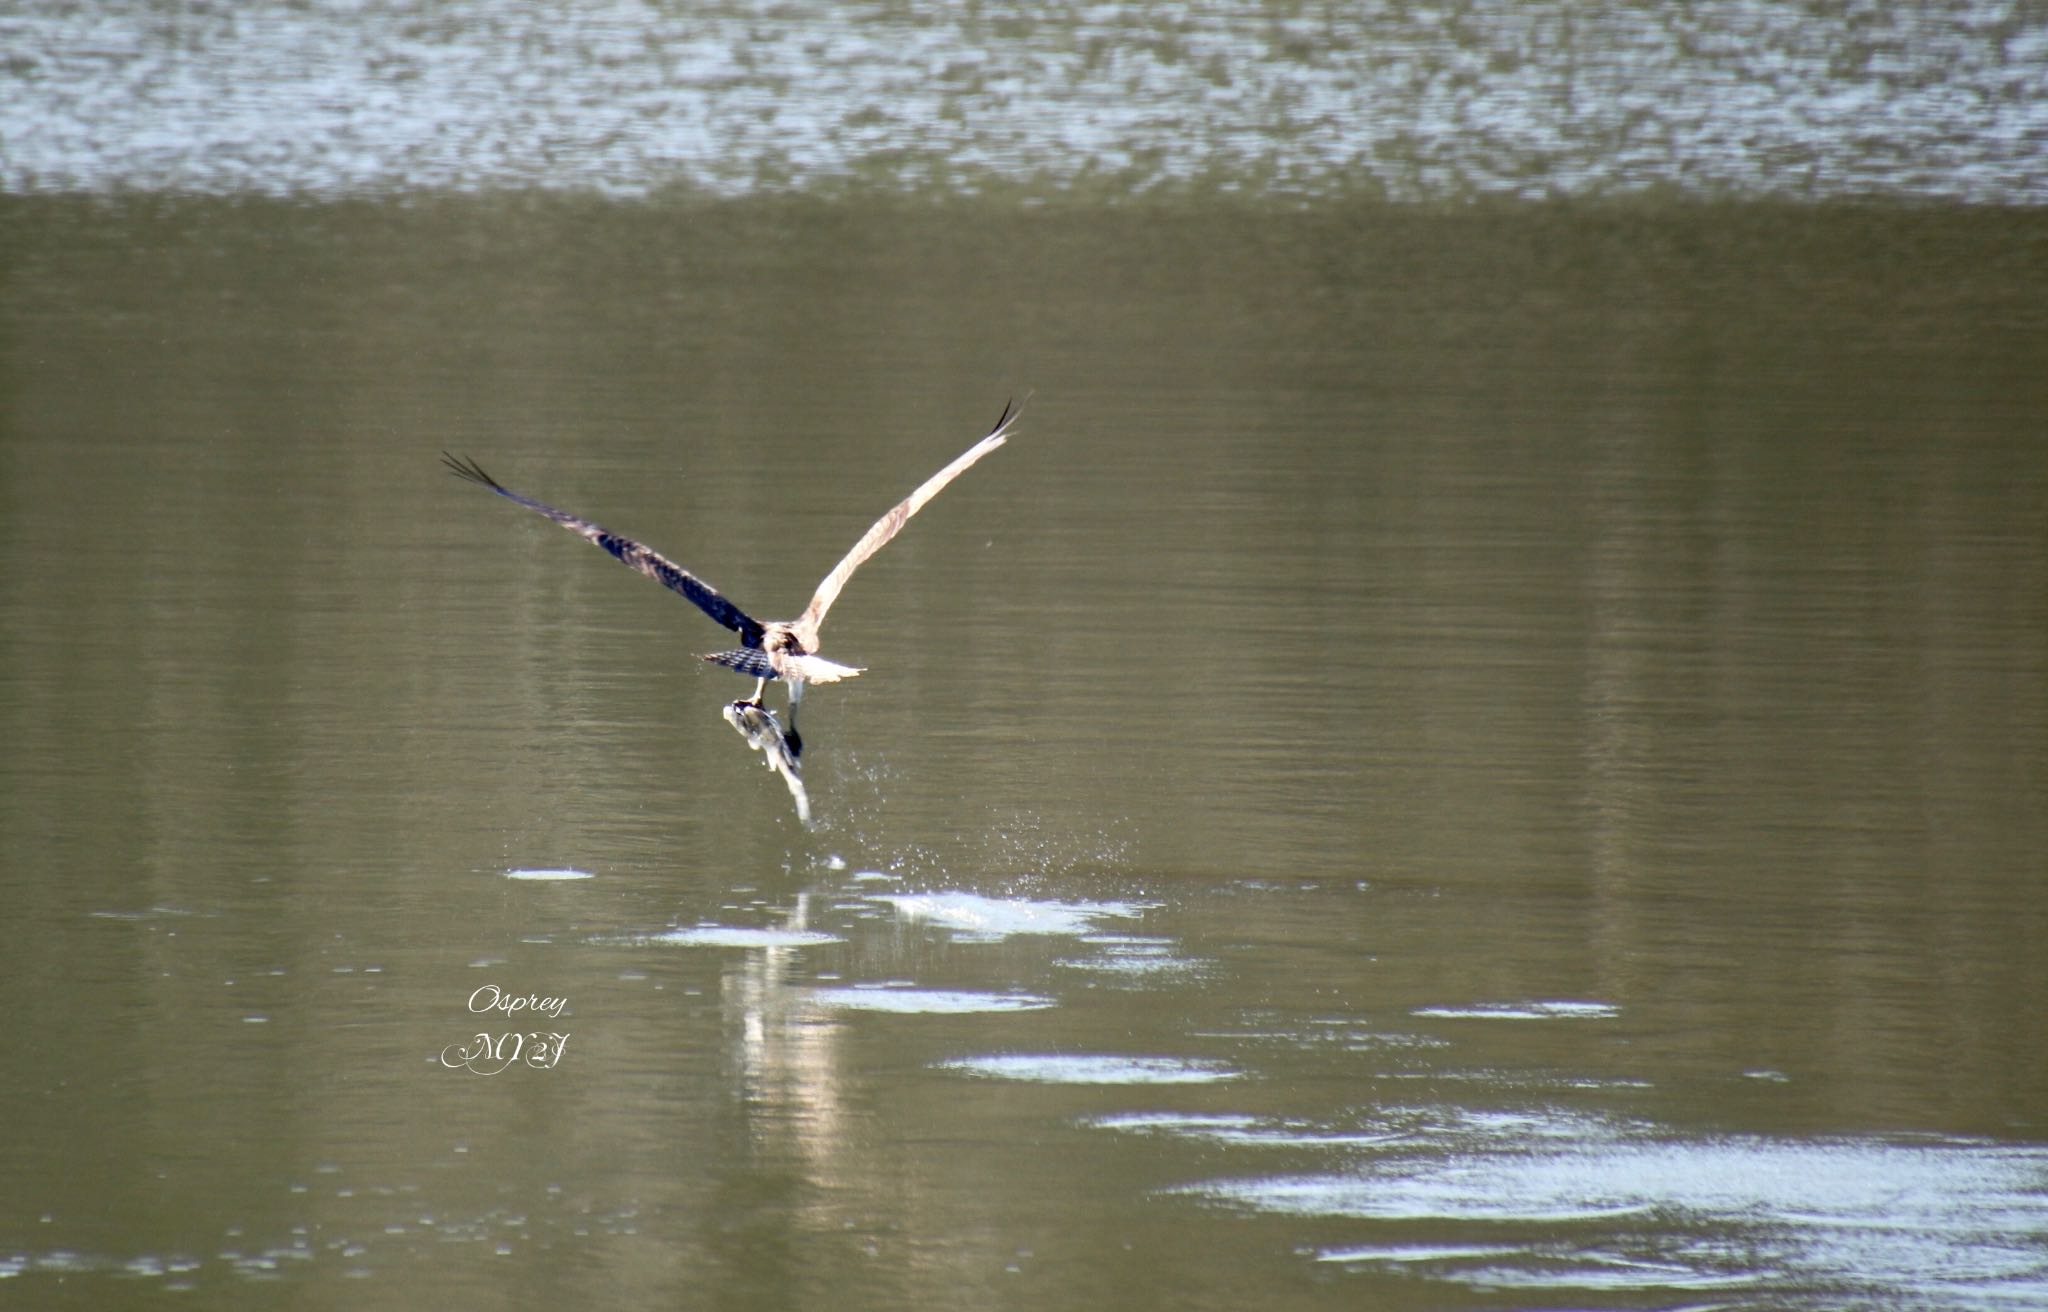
[(644, 559), (889, 525)]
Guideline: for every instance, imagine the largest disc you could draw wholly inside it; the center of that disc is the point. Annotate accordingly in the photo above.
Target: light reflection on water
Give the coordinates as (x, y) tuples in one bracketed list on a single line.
[(907, 1001), (1091, 1068), (1536, 1196), (1884, 1222), (975, 916), (1767, 98)]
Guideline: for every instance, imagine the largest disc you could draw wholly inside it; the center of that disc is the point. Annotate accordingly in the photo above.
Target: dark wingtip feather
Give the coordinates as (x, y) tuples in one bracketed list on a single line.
[(471, 471), (1012, 407)]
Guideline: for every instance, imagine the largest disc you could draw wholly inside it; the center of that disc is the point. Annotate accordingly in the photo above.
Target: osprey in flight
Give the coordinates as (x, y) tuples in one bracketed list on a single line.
[(774, 649)]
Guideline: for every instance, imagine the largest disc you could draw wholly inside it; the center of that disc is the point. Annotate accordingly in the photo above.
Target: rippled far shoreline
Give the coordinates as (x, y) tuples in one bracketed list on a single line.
[(1405, 102)]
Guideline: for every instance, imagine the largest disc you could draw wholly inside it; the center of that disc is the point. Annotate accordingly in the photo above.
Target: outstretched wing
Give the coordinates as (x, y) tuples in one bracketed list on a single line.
[(889, 525), (645, 559)]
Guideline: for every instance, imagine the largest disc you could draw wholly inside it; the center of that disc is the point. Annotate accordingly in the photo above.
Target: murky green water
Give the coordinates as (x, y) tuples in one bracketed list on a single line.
[(1467, 759)]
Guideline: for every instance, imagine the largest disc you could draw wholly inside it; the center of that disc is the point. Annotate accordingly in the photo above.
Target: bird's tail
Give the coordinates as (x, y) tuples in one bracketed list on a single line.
[(816, 669), (754, 664), (811, 669)]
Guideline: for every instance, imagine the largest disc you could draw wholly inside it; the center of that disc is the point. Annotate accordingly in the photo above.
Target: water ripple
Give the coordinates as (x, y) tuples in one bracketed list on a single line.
[(1768, 98), (1956, 1222), (1093, 1068)]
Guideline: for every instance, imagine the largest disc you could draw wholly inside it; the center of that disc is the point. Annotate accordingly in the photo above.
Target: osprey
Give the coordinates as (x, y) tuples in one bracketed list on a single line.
[(774, 649)]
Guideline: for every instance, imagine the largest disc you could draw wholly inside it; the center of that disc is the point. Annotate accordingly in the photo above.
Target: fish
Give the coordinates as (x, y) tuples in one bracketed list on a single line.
[(764, 733)]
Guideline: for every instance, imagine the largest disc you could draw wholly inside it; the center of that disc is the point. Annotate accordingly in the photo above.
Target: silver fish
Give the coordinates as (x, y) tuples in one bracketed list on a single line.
[(763, 732)]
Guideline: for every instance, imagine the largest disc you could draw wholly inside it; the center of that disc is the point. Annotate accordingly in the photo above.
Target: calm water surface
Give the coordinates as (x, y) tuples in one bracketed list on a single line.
[(1460, 759)]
